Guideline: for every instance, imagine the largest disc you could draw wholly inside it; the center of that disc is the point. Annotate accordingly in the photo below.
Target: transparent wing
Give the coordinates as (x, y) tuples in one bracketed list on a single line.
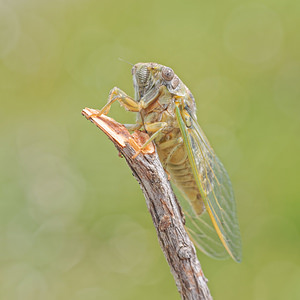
[(216, 191), (201, 230)]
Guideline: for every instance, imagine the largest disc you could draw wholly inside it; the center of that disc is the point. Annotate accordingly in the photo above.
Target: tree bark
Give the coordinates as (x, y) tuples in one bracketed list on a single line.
[(162, 204)]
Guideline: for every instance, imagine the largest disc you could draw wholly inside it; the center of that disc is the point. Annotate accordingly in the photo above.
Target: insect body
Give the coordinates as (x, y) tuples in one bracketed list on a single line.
[(166, 110)]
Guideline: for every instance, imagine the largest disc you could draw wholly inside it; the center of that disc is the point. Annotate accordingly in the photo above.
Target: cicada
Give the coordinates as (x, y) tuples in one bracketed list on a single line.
[(166, 110)]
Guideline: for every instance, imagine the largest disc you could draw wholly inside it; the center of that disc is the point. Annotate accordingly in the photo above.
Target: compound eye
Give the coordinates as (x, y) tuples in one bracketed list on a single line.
[(167, 73)]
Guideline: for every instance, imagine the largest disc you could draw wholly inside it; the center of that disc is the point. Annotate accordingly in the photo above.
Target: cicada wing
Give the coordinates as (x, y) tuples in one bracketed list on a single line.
[(201, 230), (214, 186)]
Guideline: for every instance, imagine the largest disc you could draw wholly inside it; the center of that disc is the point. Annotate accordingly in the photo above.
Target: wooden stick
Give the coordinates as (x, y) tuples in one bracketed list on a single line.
[(163, 207)]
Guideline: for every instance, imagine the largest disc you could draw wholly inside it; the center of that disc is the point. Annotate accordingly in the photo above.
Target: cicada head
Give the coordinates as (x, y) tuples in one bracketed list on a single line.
[(149, 77)]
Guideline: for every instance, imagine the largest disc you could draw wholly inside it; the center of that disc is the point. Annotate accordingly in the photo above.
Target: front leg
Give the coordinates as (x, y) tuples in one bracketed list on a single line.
[(126, 101), (145, 103)]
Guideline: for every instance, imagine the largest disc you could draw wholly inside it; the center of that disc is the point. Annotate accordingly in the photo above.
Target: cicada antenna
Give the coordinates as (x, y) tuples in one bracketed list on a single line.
[(121, 59)]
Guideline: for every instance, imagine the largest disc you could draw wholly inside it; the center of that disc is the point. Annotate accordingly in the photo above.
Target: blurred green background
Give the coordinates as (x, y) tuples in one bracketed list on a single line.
[(73, 221)]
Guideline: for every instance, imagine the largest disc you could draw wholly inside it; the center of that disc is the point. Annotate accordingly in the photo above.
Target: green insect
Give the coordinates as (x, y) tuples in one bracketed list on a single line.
[(166, 110)]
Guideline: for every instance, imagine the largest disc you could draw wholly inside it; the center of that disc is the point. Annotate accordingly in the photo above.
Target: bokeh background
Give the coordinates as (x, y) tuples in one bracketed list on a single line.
[(73, 221)]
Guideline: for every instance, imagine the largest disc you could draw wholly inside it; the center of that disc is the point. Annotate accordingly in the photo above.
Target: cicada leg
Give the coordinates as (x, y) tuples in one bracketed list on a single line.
[(117, 94), (133, 127), (156, 128)]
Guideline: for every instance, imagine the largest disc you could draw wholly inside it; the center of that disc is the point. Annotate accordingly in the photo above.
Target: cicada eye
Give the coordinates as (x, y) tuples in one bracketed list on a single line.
[(167, 73)]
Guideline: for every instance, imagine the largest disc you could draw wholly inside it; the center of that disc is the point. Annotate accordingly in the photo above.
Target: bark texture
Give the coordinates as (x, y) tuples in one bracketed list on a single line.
[(166, 213)]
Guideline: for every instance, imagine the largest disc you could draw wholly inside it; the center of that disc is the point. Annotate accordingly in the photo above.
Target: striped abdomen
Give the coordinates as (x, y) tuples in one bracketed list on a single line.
[(176, 162)]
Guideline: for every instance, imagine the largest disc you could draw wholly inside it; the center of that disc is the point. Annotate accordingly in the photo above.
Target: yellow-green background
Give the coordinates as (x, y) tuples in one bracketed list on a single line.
[(73, 221)]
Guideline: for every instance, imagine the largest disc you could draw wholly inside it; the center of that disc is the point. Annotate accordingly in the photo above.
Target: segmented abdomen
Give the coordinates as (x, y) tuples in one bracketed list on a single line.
[(176, 162)]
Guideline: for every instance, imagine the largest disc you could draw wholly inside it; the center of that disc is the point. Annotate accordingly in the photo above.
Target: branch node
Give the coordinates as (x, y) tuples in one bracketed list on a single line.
[(184, 252), (164, 223)]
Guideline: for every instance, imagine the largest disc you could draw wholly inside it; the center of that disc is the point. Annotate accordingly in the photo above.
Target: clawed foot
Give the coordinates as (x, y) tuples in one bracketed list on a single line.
[(135, 146), (103, 111), (141, 143)]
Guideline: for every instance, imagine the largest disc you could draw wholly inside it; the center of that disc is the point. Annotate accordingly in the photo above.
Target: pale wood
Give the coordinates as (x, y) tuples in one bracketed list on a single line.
[(163, 207)]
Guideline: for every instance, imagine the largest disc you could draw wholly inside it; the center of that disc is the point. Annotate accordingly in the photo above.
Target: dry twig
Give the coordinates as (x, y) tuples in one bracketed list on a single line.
[(163, 207)]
